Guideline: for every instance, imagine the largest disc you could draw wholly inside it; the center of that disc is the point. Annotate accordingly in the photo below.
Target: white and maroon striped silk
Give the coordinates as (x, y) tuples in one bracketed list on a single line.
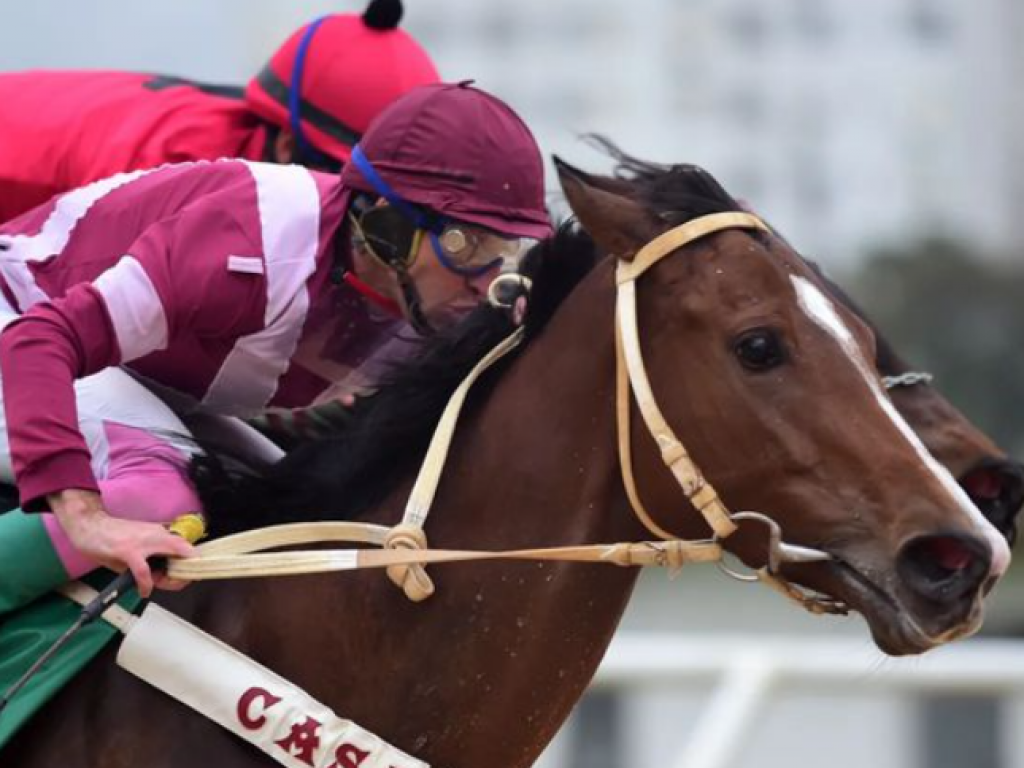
[(198, 276)]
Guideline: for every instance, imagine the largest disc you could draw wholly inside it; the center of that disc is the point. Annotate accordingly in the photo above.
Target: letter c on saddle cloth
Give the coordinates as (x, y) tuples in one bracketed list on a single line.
[(302, 740)]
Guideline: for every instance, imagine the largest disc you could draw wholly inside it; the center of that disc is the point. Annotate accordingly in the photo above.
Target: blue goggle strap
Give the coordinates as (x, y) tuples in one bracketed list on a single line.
[(383, 189), (417, 217), (295, 98)]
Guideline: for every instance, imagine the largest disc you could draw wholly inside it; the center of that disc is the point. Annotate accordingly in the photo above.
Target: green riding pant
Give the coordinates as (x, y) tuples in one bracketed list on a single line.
[(29, 565)]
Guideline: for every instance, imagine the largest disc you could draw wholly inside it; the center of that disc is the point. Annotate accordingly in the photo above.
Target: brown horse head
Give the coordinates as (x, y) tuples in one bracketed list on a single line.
[(994, 482), (772, 388)]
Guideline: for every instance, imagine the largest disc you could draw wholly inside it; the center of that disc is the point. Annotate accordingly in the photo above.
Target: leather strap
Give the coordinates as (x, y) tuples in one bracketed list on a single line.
[(412, 578), (684, 234), (236, 558), (631, 373)]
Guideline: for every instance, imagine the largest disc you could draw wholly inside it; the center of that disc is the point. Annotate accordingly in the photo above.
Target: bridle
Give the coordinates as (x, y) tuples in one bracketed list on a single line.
[(631, 375)]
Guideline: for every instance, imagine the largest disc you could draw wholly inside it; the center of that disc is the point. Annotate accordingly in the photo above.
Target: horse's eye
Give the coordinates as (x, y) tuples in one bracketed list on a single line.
[(760, 349)]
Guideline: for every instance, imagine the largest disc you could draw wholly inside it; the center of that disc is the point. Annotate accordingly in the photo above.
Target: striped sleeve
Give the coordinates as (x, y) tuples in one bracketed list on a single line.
[(174, 283)]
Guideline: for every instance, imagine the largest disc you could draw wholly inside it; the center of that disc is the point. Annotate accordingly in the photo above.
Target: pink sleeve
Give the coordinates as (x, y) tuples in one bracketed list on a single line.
[(147, 480), (175, 283)]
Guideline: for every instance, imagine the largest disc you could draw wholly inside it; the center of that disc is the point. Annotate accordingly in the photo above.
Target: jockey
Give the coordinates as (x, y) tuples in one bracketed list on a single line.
[(228, 287), (309, 105)]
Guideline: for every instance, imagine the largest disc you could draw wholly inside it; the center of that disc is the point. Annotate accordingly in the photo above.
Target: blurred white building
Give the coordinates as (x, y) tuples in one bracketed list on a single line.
[(851, 125)]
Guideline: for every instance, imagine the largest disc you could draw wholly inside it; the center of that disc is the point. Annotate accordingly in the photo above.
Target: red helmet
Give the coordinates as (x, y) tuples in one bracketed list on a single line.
[(331, 77)]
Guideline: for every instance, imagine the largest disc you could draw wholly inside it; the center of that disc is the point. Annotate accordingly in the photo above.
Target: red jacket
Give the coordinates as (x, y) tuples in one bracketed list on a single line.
[(60, 130)]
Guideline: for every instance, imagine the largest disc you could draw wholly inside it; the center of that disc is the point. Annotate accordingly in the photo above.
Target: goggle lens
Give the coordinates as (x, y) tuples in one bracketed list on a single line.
[(473, 251)]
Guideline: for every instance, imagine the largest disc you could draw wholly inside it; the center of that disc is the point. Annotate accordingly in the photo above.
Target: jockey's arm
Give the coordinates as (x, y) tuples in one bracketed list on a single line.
[(131, 310)]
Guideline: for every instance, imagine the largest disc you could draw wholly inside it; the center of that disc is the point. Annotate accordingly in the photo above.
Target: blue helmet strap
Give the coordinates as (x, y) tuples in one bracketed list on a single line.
[(417, 217), (382, 188), (306, 151)]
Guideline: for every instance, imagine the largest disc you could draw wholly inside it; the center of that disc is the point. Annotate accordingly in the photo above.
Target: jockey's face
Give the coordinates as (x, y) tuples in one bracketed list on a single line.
[(451, 267), (446, 295)]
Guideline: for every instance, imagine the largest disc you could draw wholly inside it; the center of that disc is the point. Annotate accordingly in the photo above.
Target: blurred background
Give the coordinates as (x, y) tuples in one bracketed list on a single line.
[(882, 136)]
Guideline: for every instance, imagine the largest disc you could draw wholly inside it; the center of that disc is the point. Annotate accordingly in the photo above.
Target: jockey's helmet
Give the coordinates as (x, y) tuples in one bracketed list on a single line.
[(460, 165), (333, 76)]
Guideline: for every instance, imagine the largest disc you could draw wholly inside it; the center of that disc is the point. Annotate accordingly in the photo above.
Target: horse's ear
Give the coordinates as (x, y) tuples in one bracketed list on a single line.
[(618, 224)]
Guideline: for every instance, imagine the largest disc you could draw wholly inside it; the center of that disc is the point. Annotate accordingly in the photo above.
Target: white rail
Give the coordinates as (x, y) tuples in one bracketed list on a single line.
[(746, 670)]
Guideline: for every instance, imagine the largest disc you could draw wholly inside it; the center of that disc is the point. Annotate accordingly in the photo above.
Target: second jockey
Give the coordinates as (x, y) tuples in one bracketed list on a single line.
[(309, 105), (230, 287)]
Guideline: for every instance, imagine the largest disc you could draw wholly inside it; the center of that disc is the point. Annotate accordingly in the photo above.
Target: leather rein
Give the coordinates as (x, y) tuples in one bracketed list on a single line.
[(405, 551)]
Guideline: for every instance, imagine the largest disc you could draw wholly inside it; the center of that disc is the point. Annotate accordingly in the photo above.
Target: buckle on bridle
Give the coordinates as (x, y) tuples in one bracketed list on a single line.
[(506, 288)]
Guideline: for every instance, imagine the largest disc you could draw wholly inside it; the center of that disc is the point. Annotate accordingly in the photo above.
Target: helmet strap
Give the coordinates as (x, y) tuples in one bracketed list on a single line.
[(413, 303), (363, 237), (371, 294), (305, 150), (382, 188)]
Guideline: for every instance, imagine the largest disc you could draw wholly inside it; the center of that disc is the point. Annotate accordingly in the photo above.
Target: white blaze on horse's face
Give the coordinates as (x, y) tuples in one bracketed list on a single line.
[(820, 310)]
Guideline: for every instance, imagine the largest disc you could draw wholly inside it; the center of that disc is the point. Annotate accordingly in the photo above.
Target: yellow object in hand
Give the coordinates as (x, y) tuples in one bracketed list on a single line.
[(191, 527)]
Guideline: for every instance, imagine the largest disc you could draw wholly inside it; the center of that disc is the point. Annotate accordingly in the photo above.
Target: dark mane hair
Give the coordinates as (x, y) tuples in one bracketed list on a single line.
[(677, 193), (342, 476)]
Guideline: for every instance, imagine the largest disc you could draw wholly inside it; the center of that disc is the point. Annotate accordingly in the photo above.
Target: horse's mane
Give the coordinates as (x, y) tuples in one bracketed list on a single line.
[(341, 476), (676, 193)]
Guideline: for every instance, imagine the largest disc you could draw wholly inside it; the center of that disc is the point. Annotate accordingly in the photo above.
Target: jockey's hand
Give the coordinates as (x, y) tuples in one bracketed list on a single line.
[(112, 542)]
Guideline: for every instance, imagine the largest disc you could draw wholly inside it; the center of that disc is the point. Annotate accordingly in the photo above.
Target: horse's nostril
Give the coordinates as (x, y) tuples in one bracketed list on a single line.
[(943, 569), (996, 486), (949, 553), (984, 484)]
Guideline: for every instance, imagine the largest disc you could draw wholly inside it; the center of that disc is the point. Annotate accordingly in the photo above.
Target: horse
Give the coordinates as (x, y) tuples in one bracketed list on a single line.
[(768, 383), (994, 481)]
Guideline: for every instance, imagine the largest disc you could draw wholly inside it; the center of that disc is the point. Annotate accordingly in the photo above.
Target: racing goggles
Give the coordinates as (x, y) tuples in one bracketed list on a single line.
[(472, 251), (468, 250)]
